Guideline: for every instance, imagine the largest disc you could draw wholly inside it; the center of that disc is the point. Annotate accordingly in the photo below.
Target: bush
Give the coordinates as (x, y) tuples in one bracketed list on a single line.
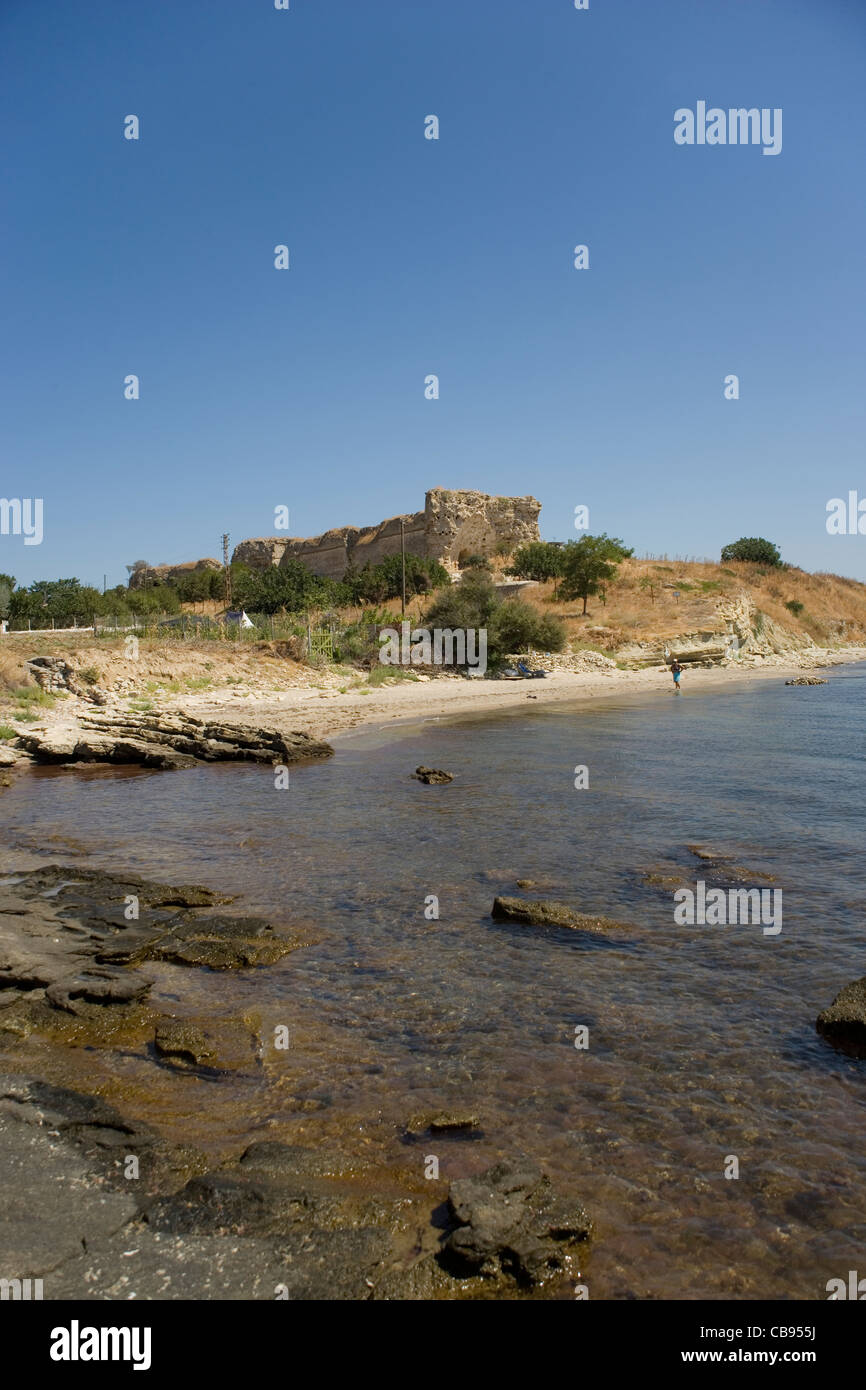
[(290, 586), (378, 583), (512, 625), (795, 606), (516, 626), (754, 549)]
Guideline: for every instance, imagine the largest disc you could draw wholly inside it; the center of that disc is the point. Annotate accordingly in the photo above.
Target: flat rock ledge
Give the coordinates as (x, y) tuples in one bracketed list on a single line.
[(67, 946), (844, 1023), (541, 912), (167, 741)]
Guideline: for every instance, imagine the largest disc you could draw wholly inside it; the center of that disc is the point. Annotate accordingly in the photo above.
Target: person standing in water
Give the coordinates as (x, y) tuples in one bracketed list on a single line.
[(676, 672)]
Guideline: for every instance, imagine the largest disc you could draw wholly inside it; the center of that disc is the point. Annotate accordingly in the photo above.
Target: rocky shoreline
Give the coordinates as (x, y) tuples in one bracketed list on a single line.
[(134, 1215), (297, 725), (167, 741)]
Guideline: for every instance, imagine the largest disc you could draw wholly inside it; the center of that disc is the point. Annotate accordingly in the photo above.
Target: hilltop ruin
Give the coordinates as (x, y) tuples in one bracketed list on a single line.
[(452, 526)]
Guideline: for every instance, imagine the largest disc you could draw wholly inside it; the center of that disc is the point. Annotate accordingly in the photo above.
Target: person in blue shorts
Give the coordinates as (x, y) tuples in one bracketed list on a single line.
[(676, 672)]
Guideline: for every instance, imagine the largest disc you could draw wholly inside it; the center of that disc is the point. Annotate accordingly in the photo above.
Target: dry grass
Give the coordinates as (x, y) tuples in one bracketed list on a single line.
[(834, 609)]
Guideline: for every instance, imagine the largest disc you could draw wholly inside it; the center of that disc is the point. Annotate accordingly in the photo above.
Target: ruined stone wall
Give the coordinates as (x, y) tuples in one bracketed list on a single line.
[(453, 525), (168, 574), (463, 523)]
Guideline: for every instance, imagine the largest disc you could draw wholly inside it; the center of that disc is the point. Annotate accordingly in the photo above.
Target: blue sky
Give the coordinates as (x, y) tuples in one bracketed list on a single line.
[(305, 388)]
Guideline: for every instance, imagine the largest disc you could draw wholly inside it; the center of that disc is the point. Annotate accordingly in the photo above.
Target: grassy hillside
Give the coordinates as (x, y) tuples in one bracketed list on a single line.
[(833, 609)]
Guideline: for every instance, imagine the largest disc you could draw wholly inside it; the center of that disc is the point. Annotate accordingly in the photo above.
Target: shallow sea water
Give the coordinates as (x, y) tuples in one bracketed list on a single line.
[(701, 1039)]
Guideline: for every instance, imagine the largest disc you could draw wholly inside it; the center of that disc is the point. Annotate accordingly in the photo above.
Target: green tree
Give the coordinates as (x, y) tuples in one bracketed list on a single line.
[(589, 564), (7, 586), (289, 586), (378, 583), (754, 549), (114, 603), (195, 585), (539, 560)]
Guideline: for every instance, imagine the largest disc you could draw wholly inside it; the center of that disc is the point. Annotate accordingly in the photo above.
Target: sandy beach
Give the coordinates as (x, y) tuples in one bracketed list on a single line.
[(330, 714)]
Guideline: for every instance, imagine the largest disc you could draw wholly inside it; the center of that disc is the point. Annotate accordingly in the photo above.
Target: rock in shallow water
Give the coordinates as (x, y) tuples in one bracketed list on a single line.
[(510, 1222), (844, 1022), (541, 912), (432, 776), (182, 1042), (441, 1121)]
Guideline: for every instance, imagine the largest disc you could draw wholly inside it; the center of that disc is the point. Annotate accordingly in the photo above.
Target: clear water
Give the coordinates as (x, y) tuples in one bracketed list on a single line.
[(702, 1039)]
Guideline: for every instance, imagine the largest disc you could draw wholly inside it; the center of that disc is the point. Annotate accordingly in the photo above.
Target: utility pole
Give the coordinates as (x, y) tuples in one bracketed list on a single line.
[(403, 566), (227, 570)]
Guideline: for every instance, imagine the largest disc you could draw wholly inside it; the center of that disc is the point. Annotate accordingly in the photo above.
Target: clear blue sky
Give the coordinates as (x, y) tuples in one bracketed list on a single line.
[(306, 388)]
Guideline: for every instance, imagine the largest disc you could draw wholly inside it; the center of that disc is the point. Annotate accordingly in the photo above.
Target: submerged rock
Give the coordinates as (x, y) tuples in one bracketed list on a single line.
[(433, 776), (440, 1122), (510, 1222), (709, 856), (541, 912), (225, 943), (97, 985), (806, 680), (182, 1042), (844, 1022), (68, 945)]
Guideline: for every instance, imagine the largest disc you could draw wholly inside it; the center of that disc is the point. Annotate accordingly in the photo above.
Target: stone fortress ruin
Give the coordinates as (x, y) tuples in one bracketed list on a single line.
[(452, 526)]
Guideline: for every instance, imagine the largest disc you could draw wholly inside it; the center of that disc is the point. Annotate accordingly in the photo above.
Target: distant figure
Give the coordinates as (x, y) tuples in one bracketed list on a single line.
[(676, 672)]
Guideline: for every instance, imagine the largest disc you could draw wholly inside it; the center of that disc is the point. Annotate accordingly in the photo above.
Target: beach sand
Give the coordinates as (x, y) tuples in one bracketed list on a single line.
[(330, 713)]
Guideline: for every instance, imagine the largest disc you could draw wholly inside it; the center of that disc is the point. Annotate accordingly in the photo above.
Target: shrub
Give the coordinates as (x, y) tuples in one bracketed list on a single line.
[(516, 626), (383, 672), (512, 625), (754, 549), (28, 695)]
